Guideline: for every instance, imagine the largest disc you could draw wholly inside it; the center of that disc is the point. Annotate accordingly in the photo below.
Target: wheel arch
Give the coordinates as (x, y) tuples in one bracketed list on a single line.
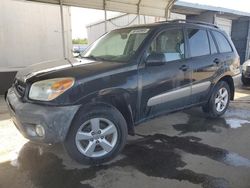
[(229, 80), (116, 98)]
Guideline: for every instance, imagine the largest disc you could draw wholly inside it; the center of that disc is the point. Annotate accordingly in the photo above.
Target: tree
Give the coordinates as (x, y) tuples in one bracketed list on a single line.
[(80, 41)]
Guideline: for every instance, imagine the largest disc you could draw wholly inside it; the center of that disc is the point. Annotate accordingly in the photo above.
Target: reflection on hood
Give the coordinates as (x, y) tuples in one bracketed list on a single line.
[(49, 66)]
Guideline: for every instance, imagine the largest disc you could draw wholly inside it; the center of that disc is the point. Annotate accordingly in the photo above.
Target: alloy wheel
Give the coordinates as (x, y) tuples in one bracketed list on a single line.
[(96, 137), (221, 99)]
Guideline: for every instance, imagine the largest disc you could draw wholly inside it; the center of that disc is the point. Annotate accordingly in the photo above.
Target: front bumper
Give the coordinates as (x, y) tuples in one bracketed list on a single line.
[(55, 120)]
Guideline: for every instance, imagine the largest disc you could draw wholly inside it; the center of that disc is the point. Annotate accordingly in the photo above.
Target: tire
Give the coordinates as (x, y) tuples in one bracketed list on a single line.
[(213, 106), (85, 123), (245, 81)]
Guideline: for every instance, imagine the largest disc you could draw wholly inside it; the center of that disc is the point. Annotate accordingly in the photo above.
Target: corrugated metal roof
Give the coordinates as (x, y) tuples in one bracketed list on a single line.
[(143, 7), (194, 8)]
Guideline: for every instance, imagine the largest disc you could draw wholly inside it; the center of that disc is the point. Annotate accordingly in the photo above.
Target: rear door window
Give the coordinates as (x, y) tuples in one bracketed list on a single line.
[(198, 42), (222, 42)]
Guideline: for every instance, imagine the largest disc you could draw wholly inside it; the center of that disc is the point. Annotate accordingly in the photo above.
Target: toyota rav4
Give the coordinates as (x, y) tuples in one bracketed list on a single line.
[(128, 76)]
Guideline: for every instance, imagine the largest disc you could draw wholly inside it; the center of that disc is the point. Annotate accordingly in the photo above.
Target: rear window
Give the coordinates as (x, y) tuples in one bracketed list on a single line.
[(198, 42), (222, 42)]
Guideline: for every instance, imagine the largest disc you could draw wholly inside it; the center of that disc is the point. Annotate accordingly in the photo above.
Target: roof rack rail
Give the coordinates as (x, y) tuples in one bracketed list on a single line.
[(192, 21)]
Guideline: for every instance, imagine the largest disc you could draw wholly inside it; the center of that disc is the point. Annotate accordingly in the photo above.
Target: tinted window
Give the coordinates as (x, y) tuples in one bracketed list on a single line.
[(222, 42), (170, 43), (198, 42), (212, 44)]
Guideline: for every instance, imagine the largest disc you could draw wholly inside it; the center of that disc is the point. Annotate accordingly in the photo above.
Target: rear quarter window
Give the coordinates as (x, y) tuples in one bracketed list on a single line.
[(222, 42)]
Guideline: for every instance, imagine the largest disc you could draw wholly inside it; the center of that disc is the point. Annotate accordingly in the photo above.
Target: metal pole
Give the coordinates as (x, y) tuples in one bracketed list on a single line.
[(138, 11), (105, 16), (167, 9), (106, 22), (62, 25)]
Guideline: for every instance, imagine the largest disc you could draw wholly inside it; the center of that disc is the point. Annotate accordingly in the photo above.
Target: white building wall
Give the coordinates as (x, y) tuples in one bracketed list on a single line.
[(224, 24), (96, 30), (31, 33)]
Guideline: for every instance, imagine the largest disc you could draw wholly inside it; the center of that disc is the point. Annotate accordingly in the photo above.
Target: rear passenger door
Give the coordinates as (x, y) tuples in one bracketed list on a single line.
[(204, 60)]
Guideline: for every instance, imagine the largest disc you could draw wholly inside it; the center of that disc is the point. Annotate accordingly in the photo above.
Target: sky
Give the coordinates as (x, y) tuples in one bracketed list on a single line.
[(81, 17)]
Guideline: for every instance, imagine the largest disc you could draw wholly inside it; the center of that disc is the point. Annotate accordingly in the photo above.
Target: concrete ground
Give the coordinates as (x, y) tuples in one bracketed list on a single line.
[(180, 150)]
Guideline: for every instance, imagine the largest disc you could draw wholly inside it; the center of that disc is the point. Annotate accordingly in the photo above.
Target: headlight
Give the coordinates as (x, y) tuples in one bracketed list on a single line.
[(48, 90)]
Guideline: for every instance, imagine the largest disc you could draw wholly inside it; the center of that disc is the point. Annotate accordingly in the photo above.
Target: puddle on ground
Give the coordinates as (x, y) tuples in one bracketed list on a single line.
[(234, 112), (153, 155), (235, 123), (236, 160), (199, 123)]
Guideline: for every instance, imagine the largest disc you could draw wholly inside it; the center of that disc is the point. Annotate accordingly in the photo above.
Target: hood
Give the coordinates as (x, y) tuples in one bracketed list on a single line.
[(41, 67), (65, 67)]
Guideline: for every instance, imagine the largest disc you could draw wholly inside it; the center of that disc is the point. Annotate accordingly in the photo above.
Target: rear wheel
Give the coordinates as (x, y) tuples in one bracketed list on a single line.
[(96, 136), (219, 100)]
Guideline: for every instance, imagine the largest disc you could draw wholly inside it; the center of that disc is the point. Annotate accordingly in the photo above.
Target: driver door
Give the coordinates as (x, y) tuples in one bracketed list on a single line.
[(166, 85)]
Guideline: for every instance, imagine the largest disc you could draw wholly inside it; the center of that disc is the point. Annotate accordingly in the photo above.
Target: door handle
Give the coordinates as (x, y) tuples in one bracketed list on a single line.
[(184, 68), (217, 61)]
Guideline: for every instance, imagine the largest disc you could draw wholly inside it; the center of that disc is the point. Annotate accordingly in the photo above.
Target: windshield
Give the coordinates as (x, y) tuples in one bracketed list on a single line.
[(118, 45)]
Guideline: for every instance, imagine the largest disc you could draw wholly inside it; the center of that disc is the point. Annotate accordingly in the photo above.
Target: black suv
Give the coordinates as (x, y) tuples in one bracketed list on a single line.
[(126, 77)]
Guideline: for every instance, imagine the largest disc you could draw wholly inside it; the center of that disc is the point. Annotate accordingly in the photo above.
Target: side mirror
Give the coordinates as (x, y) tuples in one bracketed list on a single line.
[(156, 59)]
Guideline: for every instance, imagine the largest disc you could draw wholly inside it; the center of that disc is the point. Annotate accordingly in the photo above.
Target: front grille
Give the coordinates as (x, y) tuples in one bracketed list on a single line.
[(20, 87)]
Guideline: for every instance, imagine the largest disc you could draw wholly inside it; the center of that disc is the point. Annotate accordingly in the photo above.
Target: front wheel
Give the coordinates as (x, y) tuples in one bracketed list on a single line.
[(96, 136), (219, 100)]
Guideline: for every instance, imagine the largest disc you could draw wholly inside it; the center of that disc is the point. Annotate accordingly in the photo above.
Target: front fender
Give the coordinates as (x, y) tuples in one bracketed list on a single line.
[(121, 99)]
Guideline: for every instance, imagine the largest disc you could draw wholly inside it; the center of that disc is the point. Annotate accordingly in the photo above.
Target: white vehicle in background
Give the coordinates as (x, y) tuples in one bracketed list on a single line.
[(78, 48), (246, 73)]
